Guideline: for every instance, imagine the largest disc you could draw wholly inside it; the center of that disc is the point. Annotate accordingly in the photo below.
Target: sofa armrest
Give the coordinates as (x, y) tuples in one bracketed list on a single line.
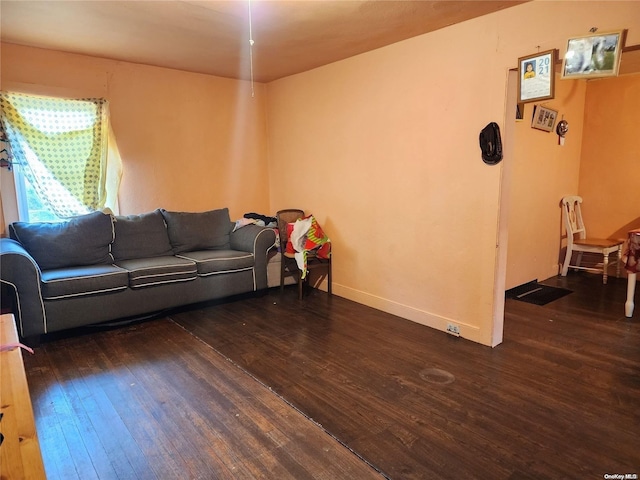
[(20, 272), (257, 240)]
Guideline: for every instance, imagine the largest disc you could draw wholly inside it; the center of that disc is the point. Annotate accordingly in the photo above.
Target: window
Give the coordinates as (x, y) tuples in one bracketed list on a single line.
[(31, 208), (64, 155)]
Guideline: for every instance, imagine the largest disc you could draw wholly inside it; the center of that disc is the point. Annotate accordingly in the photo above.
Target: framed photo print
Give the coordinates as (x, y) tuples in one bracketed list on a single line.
[(544, 118), (593, 56), (536, 76)]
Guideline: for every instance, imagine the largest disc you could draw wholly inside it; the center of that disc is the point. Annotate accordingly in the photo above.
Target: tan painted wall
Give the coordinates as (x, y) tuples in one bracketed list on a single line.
[(188, 141), (383, 149), (543, 172), (610, 168)]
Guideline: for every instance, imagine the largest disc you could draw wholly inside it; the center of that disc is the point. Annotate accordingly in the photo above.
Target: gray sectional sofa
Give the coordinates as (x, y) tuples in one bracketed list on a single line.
[(99, 267)]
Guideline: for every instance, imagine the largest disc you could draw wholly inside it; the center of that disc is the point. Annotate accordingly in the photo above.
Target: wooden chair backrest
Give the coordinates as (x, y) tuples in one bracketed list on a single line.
[(572, 214), (284, 217)]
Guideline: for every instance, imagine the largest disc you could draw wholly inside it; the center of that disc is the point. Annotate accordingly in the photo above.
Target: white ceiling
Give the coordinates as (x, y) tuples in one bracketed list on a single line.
[(212, 37)]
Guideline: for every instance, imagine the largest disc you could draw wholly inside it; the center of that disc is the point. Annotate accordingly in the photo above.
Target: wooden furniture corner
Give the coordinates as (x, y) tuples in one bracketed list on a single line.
[(20, 456)]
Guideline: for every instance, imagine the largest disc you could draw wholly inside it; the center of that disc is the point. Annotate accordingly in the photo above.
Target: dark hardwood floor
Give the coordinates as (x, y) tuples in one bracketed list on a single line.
[(560, 398), (152, 402)]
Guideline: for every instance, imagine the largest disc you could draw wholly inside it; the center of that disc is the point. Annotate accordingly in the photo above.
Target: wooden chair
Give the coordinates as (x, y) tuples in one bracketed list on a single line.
[(572, 215), (288, 264)]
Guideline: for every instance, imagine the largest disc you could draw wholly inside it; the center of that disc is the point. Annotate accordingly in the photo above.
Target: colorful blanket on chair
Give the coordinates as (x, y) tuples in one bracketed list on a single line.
[(631, 257), (306, 235)]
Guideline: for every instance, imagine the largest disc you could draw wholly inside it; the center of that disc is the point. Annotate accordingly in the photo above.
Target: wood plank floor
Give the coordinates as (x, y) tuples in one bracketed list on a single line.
[(560, 398), (152, 402)]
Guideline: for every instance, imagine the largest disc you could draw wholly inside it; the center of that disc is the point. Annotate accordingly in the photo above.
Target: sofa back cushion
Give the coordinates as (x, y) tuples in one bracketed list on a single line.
[(141, 236), (83, 240), (198, 231)]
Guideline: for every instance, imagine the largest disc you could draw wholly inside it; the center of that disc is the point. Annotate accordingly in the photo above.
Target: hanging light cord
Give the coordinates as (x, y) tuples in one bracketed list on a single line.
[(251, 42)]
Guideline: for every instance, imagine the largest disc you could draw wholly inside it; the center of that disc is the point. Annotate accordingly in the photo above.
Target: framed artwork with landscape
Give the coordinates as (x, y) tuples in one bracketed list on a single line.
[(593, 56), (536, 76)]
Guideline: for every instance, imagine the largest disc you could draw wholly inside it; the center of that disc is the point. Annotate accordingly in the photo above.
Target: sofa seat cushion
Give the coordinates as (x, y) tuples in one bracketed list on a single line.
[(80, 241), (141, 236), (87, 280), (144, 272), (211, 262)]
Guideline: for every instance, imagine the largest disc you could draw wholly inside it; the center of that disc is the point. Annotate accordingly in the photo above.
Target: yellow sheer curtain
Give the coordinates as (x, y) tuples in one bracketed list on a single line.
[(114, 174), (63, 148)]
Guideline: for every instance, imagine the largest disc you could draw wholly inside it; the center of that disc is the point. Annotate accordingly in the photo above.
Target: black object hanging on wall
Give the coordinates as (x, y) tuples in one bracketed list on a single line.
[(491, 144)]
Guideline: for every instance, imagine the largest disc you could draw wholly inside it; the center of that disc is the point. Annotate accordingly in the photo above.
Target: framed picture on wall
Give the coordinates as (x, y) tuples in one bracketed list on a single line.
[(536, 76), (544, 118), (593, 56)]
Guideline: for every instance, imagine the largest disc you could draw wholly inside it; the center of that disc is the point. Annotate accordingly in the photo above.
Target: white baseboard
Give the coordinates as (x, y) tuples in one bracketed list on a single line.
[(422, 317)]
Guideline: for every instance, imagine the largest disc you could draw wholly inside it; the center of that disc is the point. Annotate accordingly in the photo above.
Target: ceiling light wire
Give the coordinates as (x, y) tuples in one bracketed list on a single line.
[(251, 42)]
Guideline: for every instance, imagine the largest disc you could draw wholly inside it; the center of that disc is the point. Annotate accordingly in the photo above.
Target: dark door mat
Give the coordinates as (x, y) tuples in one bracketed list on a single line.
[(536, 293)]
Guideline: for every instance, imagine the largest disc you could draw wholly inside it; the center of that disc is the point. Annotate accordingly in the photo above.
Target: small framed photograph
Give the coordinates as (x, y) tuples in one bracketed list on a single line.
[(544, 118), (536, 76), (593, 56)]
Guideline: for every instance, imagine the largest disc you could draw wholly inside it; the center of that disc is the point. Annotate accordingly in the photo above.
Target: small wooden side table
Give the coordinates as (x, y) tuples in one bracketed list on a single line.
[(20, 456)]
